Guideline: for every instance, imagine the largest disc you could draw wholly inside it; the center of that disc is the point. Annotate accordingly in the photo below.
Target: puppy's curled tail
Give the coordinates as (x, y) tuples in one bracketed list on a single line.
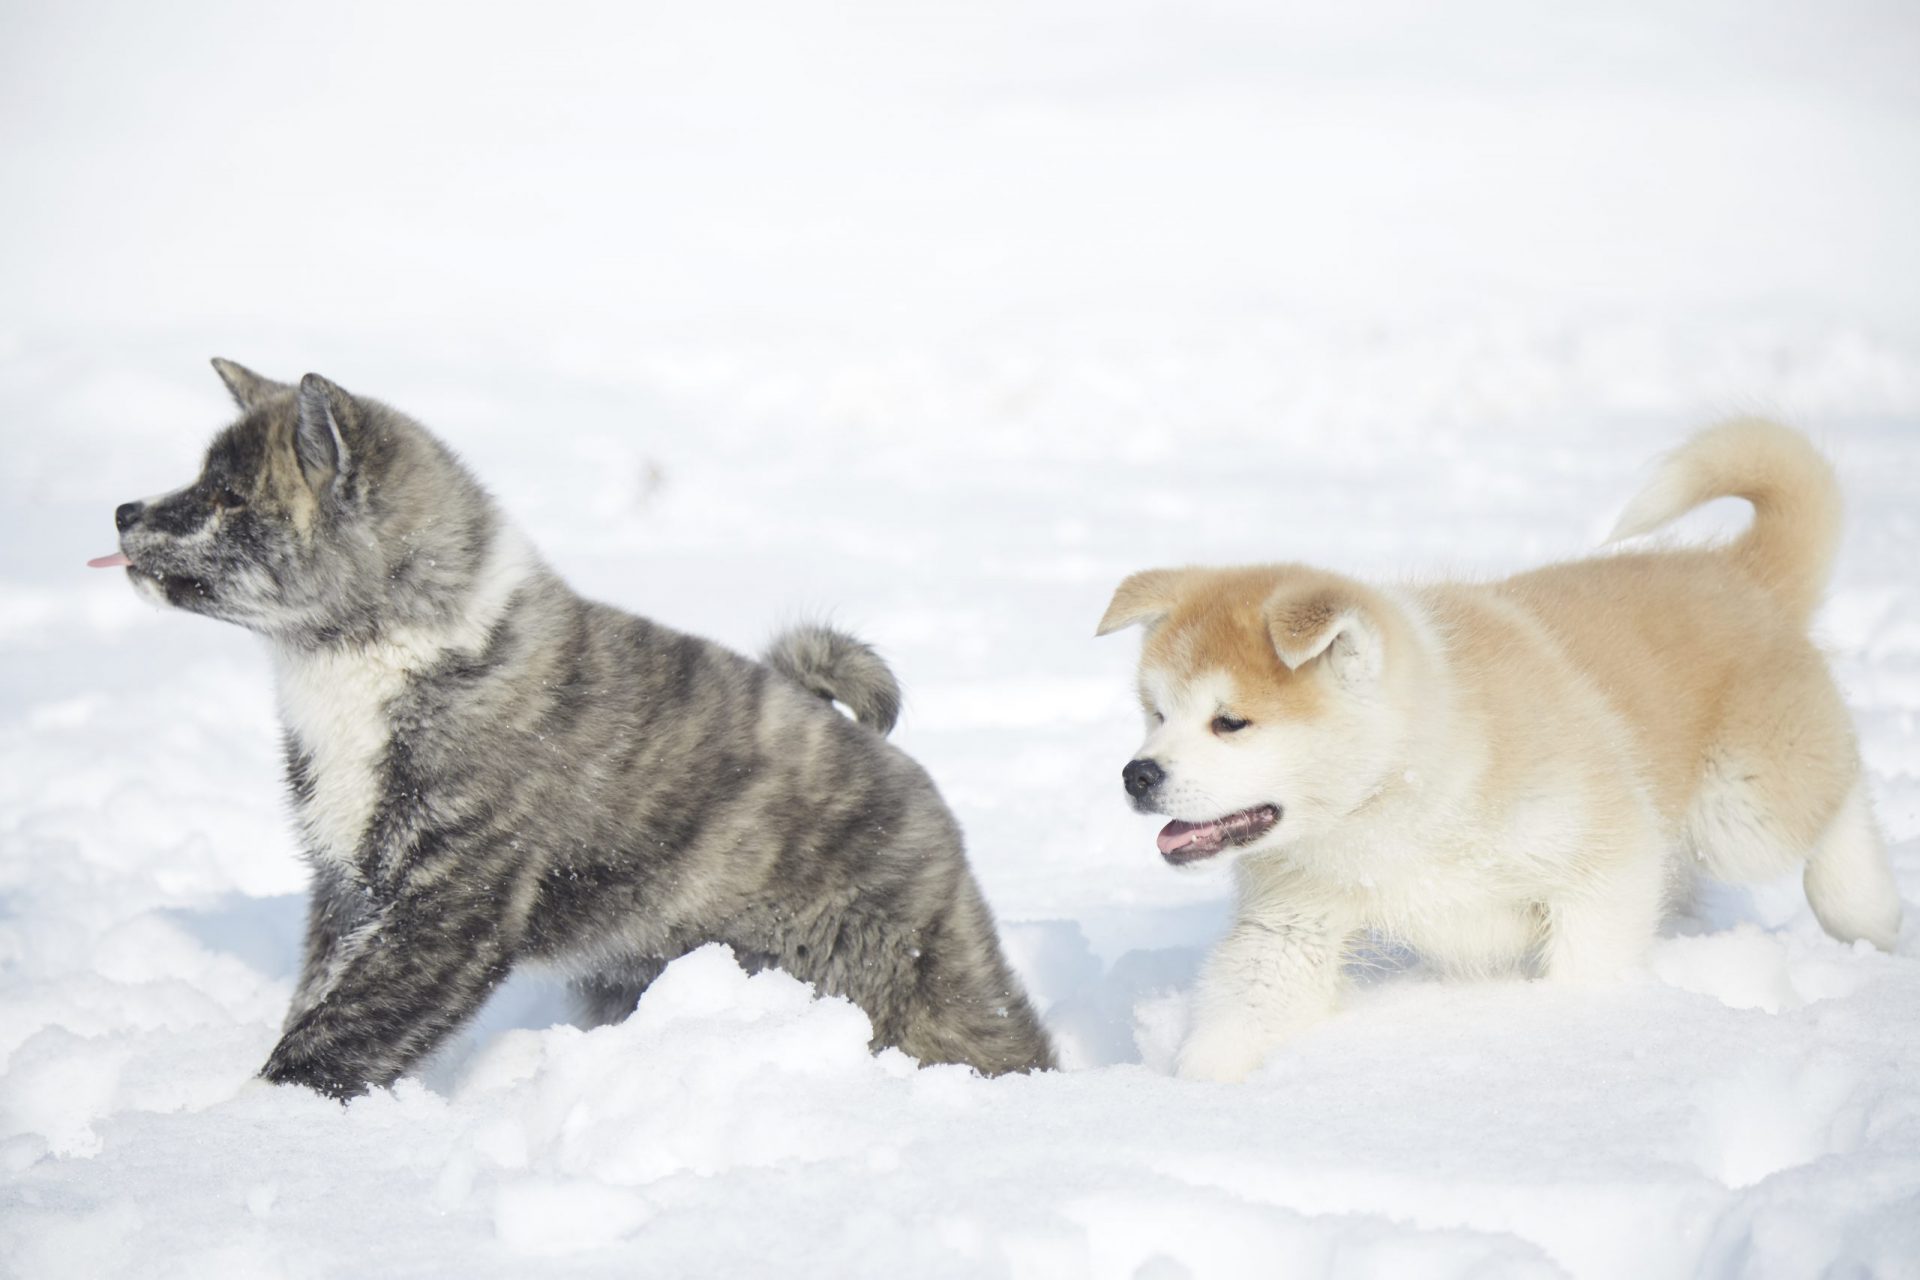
[(840, 669), (1789, 547)]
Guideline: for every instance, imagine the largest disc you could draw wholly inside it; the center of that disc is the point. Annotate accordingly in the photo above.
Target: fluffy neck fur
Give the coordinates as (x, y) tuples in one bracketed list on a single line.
[(334, 697)]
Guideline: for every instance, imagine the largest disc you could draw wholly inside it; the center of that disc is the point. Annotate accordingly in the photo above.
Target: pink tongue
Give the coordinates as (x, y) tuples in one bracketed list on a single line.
[(1178, 834), (114, 561)]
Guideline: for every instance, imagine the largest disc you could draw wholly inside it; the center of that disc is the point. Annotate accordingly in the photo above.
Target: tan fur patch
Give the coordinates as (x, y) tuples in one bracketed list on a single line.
[(285, 483), (1220, 623)]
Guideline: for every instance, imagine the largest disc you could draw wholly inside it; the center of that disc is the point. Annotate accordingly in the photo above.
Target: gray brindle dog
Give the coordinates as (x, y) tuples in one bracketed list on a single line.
[(488, 769)]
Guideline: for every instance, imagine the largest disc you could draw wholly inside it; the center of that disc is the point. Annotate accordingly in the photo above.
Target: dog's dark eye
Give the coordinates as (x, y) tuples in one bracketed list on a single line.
[(228, 499), (1228, 724)]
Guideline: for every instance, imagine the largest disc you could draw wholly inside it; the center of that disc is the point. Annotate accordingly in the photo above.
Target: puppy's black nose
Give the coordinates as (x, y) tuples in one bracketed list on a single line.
[(127, 514), (1142, 776)]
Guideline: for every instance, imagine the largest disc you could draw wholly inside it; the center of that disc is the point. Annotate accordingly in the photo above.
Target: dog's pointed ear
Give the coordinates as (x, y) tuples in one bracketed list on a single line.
[(1331, 623), (329, 420), (1144, 597), (248, 389)]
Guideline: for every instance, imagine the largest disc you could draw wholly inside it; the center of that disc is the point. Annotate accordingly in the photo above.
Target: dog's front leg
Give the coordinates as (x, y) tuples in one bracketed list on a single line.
[(396, 985), (335, 905), (1276, 971)]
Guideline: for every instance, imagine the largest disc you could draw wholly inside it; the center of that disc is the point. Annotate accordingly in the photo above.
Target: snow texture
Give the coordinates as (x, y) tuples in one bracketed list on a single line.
[(938, 320)]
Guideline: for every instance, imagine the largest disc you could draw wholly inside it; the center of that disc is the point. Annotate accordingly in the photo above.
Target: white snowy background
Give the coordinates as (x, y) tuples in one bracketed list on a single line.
[(938, 319)]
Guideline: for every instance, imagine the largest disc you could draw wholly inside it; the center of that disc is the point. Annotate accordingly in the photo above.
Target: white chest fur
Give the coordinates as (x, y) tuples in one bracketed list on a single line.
[(335, 706), (336, 702)]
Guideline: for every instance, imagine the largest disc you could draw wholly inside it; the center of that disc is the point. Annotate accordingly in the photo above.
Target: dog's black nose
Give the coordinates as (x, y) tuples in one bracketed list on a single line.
[(126, 514), (1142, 776)]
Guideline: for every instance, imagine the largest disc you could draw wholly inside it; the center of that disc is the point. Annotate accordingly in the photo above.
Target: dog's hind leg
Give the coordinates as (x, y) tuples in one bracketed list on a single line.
[(610, 995), (962, 1003), (1848, 880)]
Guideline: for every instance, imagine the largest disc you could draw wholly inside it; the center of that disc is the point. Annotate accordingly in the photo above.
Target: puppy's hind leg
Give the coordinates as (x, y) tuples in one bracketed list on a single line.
[(956, 1001), (1848, 880), (610, 996)]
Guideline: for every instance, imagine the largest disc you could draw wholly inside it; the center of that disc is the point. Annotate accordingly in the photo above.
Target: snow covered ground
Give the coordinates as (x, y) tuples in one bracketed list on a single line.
[(939, 321)]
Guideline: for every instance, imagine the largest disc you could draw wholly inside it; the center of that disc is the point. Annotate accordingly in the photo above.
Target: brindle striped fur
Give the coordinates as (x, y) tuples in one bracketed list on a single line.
[(488, 769)]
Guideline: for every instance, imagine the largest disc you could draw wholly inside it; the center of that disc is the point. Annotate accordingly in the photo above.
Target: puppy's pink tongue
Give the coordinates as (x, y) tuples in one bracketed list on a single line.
[(114, 561), (1178, 835)]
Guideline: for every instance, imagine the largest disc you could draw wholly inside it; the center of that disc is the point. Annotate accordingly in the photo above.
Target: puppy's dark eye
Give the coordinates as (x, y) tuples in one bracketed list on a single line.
[(228, 499), (1228, 724)]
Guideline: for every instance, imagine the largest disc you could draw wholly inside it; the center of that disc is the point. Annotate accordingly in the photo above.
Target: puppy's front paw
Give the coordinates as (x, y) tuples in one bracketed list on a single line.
[(284, 1067), (1219, 1055)]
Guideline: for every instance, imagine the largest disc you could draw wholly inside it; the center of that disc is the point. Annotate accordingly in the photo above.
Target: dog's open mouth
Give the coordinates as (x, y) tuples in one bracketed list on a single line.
[(179, 591), (1184, 842)]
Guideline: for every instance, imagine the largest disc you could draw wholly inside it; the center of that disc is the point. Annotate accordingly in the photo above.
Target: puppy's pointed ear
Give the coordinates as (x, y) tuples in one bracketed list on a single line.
[(329, 421), (248, 389), (1330, 623), (1144, 597)]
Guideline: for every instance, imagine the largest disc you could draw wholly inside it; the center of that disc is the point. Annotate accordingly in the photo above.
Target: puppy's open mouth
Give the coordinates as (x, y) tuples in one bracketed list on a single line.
[(1184, 842), (178, 590)]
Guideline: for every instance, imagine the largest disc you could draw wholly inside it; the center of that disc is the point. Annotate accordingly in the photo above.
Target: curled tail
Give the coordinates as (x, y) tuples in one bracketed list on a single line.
[(1789, 547), (840, 669)]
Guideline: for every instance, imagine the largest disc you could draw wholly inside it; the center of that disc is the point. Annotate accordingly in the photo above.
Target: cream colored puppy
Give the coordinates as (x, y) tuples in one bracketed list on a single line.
[(1505, 774)]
